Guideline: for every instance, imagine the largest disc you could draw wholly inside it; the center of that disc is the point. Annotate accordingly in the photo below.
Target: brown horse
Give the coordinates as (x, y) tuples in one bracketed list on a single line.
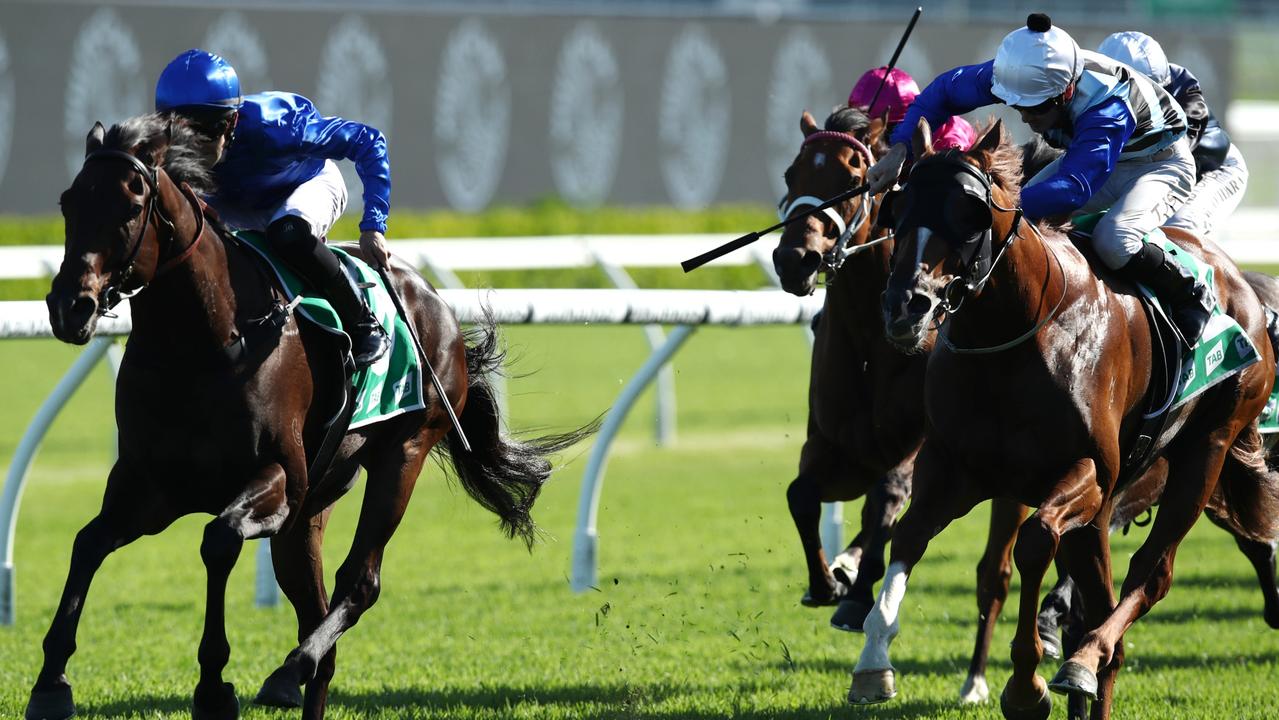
[(1035, 397), (865, 404), (206, 428)]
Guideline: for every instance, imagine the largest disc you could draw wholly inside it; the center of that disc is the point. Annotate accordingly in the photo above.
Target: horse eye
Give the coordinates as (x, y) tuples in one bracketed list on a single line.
[(135, 210)]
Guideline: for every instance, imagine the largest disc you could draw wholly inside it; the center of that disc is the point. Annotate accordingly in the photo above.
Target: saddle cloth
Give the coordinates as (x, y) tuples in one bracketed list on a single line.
[(1224, 350), (392, 385)]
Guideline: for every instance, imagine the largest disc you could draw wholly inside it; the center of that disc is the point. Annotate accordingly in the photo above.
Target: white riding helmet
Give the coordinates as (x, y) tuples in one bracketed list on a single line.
[(1140, 52), (1035, 63)]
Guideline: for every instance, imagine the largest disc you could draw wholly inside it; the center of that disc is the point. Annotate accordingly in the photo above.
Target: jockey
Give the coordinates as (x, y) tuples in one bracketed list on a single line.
[(899, 92), (275, 172), (1219, 166), (1125, 142)]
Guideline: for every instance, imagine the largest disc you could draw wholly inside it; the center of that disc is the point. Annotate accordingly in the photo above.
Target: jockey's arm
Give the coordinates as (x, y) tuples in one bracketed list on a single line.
[(1184, 86), (954, 92), (1099, 137), (335, 138)]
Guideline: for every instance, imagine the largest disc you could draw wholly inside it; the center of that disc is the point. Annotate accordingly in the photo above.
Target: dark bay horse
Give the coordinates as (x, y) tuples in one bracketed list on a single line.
[(1034, 395), (865, 404), (205, 430)]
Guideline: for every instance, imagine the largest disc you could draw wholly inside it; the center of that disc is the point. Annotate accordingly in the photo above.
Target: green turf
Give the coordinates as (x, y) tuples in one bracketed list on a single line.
[(697, 612)]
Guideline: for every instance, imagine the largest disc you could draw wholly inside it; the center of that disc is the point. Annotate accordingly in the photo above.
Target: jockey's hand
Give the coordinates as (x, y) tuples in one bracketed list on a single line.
[(883, 174), (373, 246)]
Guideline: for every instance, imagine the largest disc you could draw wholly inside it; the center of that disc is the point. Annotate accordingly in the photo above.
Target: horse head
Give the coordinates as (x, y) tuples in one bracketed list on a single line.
[(830, 161), (945, 217), (117, 217)]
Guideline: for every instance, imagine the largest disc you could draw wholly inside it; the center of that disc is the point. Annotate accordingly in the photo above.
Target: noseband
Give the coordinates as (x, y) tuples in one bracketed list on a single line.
[(114, 292), (833, 259)]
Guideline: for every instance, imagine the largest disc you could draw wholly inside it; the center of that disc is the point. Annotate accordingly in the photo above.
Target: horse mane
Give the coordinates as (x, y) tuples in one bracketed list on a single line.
[(187, 154), (1003, 163), (846, 119)]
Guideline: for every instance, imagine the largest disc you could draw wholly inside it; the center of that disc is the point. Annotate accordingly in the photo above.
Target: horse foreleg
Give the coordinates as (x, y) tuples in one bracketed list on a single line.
[(1085, 557), (125, 516), (259, 510), (1074, 500), (299, 569), (938, 500), (804, 500), (387, 490), (994, 571), (1195, 468), (884, 501)]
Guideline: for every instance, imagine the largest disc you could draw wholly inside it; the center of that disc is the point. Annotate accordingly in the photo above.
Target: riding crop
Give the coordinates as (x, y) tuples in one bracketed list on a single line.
[(435, 379)]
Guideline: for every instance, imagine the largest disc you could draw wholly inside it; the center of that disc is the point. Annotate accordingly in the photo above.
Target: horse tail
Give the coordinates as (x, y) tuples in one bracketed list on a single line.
[(503, 474)]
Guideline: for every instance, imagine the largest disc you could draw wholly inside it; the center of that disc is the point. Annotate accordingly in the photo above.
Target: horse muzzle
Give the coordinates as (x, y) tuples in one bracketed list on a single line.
[(73, 317), (797, 269), (906, 317)]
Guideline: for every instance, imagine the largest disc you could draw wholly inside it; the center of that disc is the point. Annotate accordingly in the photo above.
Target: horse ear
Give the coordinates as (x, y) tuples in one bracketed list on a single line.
[(807, 124), (922, 141), (93, 142), (990, 141)]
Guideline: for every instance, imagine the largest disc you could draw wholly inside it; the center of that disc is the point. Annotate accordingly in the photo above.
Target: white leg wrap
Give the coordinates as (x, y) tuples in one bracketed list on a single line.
[(974, 691), (881, 625)]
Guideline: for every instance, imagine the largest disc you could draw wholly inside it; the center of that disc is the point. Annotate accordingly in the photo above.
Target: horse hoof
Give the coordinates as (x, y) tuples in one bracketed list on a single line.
[(850, 616), (220, 704), (53, 704), (823, 600), (279, 690), (872, 686), (1077, 707), (975, 691), (1074, 678), (1038, 711), (1272, 617)]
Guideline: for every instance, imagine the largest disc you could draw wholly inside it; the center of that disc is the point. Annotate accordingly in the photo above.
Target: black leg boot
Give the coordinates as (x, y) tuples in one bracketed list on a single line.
[(318, 266), (1189, 302)]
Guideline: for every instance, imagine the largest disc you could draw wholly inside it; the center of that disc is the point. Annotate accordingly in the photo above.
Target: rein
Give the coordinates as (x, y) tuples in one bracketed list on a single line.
[(1012, 236), (114, 293)]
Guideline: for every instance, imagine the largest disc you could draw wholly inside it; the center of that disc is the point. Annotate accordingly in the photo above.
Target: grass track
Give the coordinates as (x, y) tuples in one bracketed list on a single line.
[(697, 611)]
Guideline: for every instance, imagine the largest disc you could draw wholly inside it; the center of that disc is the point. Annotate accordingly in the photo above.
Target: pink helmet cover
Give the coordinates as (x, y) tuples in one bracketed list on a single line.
[(899, 92)]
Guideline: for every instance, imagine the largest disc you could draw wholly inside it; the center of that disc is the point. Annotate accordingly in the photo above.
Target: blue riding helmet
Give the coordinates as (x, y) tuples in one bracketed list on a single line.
[(198, 78)]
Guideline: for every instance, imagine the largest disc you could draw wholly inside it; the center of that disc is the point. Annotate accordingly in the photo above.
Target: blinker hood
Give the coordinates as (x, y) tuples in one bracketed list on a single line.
[(952, 199)]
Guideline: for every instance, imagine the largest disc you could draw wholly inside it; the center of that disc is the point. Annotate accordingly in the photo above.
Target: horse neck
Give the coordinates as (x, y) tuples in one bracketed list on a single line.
[(1024, 287), (859, 284), (190, 309)]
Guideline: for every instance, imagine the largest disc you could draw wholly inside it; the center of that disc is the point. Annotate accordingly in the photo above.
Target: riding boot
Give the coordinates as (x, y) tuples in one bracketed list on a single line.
[(369, 341), (1188, 301), (320, 267)]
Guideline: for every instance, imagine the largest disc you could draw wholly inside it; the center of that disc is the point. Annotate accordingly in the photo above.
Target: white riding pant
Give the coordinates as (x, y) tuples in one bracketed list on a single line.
[(1215, 196), (320, 201), (1140, 195)]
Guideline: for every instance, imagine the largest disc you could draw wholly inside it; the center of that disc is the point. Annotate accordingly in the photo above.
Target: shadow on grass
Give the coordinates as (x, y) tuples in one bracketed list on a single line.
[(136, 706), (608, 702)]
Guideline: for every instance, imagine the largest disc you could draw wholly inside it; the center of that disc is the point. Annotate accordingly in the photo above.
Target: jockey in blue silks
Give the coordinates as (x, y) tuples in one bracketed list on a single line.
[(1221, 171), (275, 173), (1125, 151)]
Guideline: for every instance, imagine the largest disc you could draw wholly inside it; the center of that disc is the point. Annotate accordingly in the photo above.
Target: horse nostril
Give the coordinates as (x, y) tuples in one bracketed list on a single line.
[(810, 262), (84, 305), (919, 305)]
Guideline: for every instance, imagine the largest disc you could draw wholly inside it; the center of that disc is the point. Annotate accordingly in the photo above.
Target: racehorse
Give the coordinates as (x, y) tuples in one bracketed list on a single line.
[(1034, 396), (218, 416), (865, 416)]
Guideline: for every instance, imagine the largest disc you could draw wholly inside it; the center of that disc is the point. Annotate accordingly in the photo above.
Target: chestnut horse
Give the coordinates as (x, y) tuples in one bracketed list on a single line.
[(205, 429), (1034, 395), (865, 406)]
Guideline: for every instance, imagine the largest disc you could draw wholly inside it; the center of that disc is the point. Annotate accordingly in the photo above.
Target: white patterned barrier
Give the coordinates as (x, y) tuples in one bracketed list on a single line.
[(685, 309)]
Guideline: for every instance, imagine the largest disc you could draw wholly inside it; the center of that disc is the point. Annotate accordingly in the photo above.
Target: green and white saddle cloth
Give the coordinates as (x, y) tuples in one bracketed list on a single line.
[(392, 385), (1224, 350)]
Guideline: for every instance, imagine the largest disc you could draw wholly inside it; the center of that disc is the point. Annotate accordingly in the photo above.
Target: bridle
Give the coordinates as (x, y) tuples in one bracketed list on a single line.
[(115, 292), (977, 262), (833, 259)]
